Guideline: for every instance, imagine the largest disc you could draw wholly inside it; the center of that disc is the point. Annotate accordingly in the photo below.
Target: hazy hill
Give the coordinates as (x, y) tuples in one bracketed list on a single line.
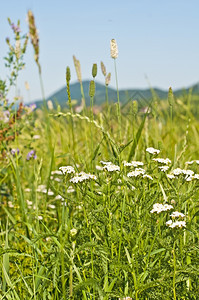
[(60, 97)]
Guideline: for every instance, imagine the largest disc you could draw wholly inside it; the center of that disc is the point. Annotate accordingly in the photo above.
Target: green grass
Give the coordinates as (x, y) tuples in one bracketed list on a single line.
[(97, 238)]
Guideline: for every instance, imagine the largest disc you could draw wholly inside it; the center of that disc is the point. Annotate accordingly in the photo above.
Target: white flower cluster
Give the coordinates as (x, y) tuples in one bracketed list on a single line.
[(152, 150), (82, 176), (189, 174), (67, 169), (147, 176), (136, 172), (158, 208), (43, 189), (177, 214), (133, 164), (179, 224), (109, 166), (163, 168), (56, 172), (165, 161)]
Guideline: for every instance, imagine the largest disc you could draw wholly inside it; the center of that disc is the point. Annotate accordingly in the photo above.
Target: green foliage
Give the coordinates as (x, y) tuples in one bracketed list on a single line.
[(77, 219)]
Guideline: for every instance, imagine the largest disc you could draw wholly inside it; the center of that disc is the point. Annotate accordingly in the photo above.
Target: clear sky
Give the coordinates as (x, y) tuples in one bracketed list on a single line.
[(156, 38)]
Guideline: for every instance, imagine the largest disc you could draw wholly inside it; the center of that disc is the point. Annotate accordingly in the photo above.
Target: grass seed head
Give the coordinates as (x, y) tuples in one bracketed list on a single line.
[(92, 88), (34, 37), (68, 76), (77, 68), (103, 68), (108, 79), (170, 96), (94, 70), (114, 49)]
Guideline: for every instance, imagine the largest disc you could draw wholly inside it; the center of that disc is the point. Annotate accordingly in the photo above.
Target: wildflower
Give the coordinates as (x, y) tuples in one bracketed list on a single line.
[(178, 224), (36, 137), (50, 193), (14, 151), (106, 162), (15, 28), (136, 172), (30, 108), (31, 154), (57, 179), (162, 160), (152, 150), (70, 189), (133, 164), (114, 49), (158, 207), (67, 169), (177, 171), (51, 206), (170, 176), (59, 197), (147, 176), (188, 172), (41, 187), (111, 167), (56, 172), (177, 214), (82, 176), (99, 168), (163, 168), (40, 218)]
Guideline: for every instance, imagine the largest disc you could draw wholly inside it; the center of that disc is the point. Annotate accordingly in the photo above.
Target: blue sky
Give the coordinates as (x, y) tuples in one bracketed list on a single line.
[(156, 39)]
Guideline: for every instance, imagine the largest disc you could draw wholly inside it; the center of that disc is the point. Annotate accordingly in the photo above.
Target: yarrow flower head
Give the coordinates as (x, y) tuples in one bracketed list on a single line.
[(67, 169), (162, 160), (177, 214), (133, 164), (82, 176), (147, 176), (158, 208), (111, 168), (136, 172), (178, 224), (164, 168), (152, 150)]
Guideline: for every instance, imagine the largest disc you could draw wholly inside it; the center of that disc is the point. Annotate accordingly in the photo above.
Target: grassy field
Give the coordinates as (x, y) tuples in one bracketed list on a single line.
[(98, 204)]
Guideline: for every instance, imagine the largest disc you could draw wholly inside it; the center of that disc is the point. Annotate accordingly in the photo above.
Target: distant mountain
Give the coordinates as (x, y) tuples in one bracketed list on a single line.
[(144, 95)]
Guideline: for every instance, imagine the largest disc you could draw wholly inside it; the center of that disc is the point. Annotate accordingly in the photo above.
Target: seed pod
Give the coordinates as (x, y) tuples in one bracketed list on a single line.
[(94, 70), (103, 68), (114, 49), (92, 89), (108, 79)]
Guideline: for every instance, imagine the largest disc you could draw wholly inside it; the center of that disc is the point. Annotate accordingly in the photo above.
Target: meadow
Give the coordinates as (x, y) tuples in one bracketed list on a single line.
[(99, 204)]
